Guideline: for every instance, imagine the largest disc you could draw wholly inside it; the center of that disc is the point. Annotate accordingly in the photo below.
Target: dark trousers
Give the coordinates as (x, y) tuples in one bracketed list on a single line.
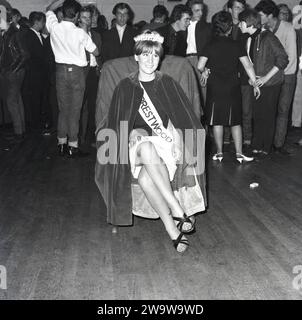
[(247, 111), (51, 104), (70, 84), (14, 99), (264, 116), (87, 131), (34, 93), (285, 101)]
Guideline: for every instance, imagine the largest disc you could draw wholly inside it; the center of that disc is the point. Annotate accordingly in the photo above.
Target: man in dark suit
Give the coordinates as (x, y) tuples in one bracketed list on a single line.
[(118, 42), (36, 73), (199, 31), (87, 127), (198, 35), (174, 33)]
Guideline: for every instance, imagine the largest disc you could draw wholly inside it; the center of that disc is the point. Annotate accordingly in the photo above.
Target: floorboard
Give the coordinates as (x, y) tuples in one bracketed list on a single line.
[(56, 244)]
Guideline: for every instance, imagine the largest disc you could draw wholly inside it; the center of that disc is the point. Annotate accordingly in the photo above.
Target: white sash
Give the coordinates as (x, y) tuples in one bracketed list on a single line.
[(149, 113)]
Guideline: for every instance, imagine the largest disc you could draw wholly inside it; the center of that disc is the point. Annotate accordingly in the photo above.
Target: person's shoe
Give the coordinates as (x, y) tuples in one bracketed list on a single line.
[(242, 158), (62, 148), (185, 224), (76, 152), (247, 142), (181, 243), (295, 129), (256, 151), (48, 132), (282, 150), (299, 143), (218, 156)]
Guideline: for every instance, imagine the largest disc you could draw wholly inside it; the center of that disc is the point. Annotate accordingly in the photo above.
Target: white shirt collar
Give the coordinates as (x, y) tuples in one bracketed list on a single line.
[(38, 34), (119, 28), (35, 31)]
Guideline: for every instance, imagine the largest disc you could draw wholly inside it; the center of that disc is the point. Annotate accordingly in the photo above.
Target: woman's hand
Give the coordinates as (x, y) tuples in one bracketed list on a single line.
[(204, 77), (260, 81), (257, 92)]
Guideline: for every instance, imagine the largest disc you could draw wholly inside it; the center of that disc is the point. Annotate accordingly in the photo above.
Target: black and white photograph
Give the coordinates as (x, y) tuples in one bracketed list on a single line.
[(150, 155)]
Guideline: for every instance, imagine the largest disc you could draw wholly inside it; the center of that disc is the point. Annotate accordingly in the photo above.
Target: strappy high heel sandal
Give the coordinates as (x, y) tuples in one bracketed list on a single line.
[(183, 221), (180, 240)]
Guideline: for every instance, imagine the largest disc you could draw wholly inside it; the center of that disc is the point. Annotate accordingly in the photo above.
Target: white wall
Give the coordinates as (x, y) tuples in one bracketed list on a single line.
[(142, 8)]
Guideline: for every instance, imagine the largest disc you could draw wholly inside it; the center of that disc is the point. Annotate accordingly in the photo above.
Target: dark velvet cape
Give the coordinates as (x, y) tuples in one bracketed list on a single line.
[(114, 180)]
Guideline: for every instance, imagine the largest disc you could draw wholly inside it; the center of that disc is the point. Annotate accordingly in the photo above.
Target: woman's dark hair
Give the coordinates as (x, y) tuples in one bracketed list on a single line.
[(94, 9), (15, 12), (222, 23), (191, 3), (102, 22), (251, 17), (178, 11), (60, 9), (36, 16), (230, 3), (86, 9), (160, 11), (290, 14), (268, 7), (70, 9), (24, 22), (147, 46)]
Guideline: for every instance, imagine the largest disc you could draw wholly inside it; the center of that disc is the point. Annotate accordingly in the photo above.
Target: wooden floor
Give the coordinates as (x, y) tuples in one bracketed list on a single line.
[(55, 243)]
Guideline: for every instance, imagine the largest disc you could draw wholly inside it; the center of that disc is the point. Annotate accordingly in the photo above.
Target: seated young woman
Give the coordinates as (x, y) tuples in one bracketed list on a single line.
[(164, 140)]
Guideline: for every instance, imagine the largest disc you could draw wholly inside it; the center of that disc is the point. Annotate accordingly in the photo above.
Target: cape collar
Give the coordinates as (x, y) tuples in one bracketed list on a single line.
[(134, 78)]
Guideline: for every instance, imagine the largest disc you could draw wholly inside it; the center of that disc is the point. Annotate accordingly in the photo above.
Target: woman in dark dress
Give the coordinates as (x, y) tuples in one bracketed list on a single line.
[(159, 180), (221, 58)]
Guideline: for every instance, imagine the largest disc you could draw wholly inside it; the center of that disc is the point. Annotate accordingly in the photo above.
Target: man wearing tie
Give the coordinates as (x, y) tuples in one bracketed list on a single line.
[(198, 34), (36, 72), (92, 79), (118, 42)]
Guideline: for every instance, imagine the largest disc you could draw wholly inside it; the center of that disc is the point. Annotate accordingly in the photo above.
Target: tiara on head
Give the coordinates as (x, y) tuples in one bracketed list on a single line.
[(149, 37)]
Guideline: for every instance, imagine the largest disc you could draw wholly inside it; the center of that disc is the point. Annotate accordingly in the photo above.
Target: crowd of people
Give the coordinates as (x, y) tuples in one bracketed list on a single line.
[(245, 62), (30, 58)]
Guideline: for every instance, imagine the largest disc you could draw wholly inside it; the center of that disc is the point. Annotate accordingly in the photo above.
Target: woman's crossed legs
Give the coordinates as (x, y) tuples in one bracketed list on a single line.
[(154, 181)]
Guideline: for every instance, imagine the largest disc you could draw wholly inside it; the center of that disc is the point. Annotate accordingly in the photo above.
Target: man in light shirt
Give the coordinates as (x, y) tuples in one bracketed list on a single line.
[(118, 42), (69, 44)]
